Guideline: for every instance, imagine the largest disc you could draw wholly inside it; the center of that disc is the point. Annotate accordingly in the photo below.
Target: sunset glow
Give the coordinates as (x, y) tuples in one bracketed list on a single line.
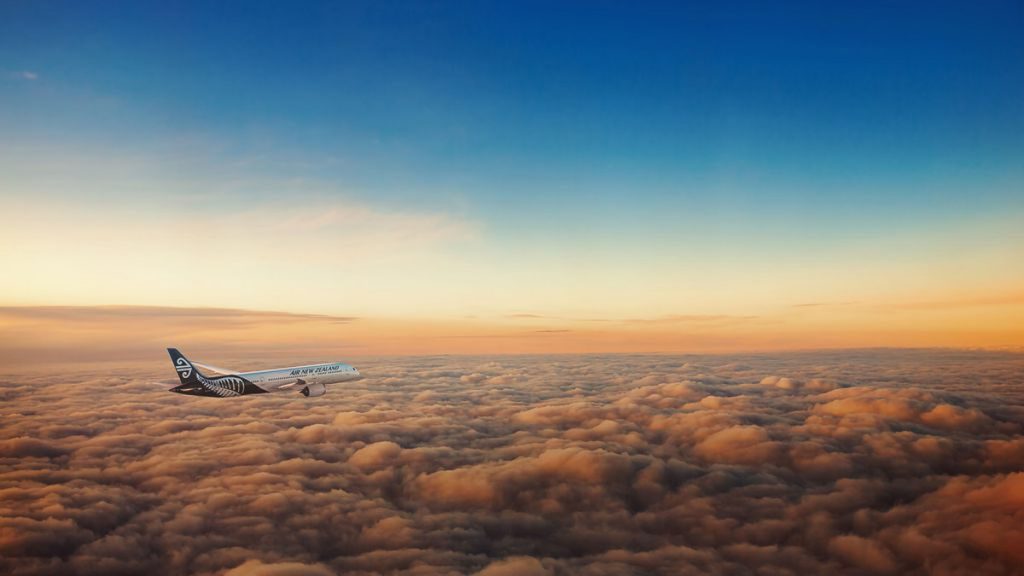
[(769, 196), (491, 288)]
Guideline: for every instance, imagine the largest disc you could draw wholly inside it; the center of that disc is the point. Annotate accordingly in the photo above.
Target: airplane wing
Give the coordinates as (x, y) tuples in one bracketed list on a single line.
[(282, 385)]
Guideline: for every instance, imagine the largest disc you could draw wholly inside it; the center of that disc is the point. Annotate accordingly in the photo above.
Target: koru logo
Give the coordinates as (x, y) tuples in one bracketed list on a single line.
[(183, 368)]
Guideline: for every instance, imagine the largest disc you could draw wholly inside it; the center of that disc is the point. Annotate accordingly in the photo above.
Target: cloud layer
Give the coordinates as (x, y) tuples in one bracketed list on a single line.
[(847, 463)]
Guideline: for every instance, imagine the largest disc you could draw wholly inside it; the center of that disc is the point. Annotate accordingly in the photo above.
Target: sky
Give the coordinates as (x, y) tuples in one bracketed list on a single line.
[(579, 177)]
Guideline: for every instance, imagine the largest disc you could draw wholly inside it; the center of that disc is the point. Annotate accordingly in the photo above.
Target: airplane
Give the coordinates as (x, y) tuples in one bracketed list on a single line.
[(310, 380)]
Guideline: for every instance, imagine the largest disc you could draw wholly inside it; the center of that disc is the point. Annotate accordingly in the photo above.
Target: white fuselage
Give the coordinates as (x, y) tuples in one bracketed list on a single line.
[(329, 373)]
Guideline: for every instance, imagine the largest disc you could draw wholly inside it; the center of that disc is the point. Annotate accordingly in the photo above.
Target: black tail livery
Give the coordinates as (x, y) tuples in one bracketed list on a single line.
[(196, 384)]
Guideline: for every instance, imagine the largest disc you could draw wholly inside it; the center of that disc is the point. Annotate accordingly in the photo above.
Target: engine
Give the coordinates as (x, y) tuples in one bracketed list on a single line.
[(314, 389)]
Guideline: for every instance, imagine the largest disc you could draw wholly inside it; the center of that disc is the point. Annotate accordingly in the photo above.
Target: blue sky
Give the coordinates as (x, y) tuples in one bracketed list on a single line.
[(602, 133), (487, 96)]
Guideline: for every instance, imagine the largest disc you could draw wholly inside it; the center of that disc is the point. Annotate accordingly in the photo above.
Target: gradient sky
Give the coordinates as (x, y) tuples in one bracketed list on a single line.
[(823, 168)]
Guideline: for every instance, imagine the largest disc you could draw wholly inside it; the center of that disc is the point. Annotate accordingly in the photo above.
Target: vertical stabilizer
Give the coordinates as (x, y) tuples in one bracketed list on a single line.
[(186, 371)]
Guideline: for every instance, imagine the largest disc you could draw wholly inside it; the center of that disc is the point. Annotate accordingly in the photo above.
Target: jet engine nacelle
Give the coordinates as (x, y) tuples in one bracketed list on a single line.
[(314, 389)]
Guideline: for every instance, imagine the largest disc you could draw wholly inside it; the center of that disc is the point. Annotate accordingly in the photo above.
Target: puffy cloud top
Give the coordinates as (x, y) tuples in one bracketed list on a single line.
[(848, 463)]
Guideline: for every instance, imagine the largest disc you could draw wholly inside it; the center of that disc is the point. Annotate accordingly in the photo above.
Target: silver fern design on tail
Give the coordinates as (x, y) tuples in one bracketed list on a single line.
[(225, 386)]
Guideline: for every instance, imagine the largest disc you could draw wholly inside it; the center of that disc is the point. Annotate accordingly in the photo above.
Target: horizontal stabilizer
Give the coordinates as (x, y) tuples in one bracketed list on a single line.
[(214, 368)]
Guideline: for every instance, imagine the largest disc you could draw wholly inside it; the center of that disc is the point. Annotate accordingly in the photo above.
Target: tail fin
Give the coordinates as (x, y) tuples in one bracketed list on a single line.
[(186, 371)]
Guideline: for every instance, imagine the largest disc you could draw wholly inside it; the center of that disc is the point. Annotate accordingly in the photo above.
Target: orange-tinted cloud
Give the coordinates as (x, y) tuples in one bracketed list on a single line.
[(864, 462)]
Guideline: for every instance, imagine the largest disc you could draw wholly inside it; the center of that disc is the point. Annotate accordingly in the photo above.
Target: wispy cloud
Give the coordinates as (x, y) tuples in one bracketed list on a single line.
[(27, 75), (988, 300), (664, 319), (312, 253), (100, 313), (77, 333), (691, 319), (824, 304)]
